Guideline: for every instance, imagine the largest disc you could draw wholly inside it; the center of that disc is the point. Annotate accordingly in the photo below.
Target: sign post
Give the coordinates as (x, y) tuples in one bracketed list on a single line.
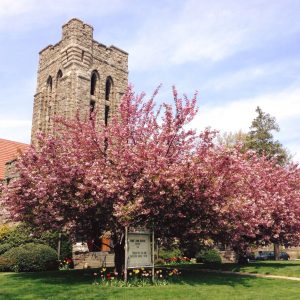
[(139, 250), (153, 255), (126, 253)]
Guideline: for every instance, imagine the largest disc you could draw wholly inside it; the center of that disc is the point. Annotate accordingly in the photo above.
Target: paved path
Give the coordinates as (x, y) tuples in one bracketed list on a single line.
[(246, 274)]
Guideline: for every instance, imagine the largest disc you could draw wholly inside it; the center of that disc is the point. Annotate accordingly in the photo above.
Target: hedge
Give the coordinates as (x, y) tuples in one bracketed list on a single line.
[(210, 256), (29, 258)]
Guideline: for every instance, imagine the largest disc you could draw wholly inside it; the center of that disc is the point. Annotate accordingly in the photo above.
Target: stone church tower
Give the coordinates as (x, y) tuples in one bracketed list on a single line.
[(78, 74)]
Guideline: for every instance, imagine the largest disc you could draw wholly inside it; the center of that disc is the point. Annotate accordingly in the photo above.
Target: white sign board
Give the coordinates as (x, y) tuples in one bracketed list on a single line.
[(139, 250)]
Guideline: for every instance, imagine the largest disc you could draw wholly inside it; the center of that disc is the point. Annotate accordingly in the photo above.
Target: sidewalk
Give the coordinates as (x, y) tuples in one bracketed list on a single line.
[(246, 274)]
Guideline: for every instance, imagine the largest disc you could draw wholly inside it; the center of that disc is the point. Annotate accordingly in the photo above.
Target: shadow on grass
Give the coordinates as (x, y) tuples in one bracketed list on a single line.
[(86, 277), (55, 277)]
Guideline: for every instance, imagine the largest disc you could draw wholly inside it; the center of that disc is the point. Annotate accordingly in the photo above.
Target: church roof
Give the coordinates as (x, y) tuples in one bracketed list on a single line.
[(9, 150)]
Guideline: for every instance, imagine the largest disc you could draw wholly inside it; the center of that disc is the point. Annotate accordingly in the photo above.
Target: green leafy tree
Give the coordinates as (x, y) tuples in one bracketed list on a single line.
[(260, 138)]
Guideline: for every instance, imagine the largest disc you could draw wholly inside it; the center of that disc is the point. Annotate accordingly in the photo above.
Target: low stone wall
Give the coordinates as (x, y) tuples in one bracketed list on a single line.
[(228, 256), (93, 260)]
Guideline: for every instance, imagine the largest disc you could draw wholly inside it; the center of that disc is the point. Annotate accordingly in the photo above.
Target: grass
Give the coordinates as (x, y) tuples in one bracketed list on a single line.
[(77, 284), (281, 268)]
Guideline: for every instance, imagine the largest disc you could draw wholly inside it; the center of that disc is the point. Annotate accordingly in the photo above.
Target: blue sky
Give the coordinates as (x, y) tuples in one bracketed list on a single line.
[(237, 54)]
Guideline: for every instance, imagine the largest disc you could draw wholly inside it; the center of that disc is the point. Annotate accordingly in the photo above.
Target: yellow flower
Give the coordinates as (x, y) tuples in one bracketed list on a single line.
[(136, 271), (103, 269)]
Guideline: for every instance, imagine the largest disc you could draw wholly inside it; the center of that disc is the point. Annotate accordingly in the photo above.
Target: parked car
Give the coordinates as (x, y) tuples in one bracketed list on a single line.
[(269, 255), (247, 258), (284, 256), (263, 255)]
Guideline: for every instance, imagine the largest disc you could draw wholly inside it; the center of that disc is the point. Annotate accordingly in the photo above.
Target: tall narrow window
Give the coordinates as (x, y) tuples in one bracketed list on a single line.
[(57, 107), (49, 84), (59, 75), (94, 80), (108, 88), (106, 114), (92, 106), (46, 107)]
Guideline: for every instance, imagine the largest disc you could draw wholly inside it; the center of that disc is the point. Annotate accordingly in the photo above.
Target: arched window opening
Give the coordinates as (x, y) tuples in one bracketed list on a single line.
[(108, 88), (58, 93), (59, 76), (94, 80), (49, 84)]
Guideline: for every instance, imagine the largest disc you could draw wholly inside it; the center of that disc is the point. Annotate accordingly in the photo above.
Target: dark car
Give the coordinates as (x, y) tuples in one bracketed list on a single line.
[(284, 256), (269, 255), (263, 255), (246, 258)]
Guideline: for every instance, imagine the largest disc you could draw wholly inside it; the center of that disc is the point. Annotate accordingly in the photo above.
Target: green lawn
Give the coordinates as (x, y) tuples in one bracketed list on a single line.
[(194, 285), (282, 268)]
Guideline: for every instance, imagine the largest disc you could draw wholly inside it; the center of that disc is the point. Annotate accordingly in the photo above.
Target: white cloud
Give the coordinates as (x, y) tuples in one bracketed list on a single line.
[(239, 113), (235, 79), (11, 123), (209, 32), (15, 130), (12, 8), (22, 15)]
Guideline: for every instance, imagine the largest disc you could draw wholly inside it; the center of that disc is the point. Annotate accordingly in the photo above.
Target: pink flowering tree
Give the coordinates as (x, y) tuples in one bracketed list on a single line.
[(256, 201), (146, 168)]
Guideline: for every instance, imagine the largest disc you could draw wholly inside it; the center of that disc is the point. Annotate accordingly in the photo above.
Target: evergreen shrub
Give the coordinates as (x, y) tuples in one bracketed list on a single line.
[(5, 247), (209, 257), (30, 258)]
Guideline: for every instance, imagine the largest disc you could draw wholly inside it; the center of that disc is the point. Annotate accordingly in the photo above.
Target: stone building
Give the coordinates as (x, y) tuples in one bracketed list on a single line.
[(78, 74)]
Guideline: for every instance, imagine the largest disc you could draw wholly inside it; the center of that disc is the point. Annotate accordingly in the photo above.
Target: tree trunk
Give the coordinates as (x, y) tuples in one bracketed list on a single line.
[(119, 257), (276, 251)]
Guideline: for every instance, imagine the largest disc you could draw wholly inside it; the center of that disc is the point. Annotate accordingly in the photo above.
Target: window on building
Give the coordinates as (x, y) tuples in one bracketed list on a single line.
[(108, 88), (59, 74), (94, 80), (92, 106), (49, 84), (58, 77), (106, 116)]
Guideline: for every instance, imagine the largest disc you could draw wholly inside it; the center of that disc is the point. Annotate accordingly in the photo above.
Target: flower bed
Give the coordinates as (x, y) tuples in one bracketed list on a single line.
[(178, 260), (66, 264), (136, 277)]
